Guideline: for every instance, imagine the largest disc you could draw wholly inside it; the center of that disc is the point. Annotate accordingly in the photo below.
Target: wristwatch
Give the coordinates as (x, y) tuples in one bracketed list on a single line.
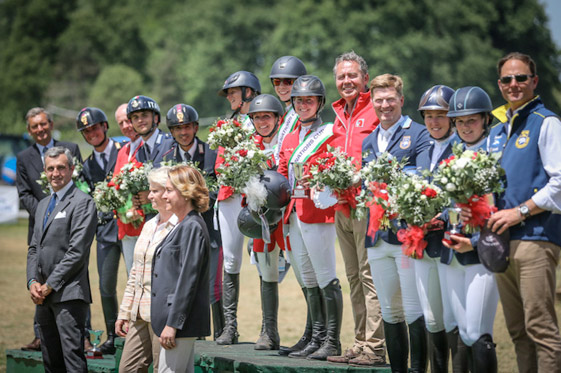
[(524, 211)]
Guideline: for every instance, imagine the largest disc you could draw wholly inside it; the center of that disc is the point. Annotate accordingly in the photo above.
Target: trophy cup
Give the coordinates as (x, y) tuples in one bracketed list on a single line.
[(454, 217), (95, 352), (299, 191)]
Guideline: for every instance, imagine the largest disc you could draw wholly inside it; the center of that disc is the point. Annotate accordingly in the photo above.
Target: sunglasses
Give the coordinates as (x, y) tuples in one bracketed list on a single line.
[(520, 78), (278, 81)]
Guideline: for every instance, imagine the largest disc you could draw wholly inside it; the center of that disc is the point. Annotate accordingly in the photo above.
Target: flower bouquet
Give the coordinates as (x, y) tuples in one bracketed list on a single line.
[(468, 178), (132, 179), (378, 177), (106, 197), (416, 201), (227, 133), (336, 170), (241, 163)]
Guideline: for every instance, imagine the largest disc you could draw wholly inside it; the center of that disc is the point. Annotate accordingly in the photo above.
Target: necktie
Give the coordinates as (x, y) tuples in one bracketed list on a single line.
[(147, 151), (43, 154), (104, 161), (187, 156), (50, 208)]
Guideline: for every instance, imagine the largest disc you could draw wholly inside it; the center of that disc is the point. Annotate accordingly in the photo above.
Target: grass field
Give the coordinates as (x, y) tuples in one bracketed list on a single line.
[(16, 308)]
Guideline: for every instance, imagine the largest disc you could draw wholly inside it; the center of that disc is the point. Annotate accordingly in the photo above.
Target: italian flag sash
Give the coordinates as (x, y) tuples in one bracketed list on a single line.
[(311, 143), (289, 120)]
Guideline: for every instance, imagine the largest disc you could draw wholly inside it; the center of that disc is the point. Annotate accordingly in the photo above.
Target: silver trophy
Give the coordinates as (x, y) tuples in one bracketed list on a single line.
[(299, 191), (95, 352), (454, 218)]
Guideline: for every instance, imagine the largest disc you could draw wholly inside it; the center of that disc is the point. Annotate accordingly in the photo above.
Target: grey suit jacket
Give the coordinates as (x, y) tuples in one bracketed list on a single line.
[(59, 254), (180, 277)]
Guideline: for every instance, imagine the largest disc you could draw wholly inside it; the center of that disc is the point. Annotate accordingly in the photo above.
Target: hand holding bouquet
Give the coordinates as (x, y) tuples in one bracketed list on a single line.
[(467, 178), (417, 202)]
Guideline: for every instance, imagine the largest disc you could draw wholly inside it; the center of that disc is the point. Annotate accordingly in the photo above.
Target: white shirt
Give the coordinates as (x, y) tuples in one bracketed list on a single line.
[(439, 147), (41, 147), (191, 151), (384, 136)]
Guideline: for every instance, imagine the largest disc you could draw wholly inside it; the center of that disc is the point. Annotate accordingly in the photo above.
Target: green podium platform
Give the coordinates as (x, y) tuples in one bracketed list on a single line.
[(209, 357)]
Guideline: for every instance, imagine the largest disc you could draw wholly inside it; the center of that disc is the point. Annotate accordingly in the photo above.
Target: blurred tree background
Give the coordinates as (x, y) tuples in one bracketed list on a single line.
[(67, 54)]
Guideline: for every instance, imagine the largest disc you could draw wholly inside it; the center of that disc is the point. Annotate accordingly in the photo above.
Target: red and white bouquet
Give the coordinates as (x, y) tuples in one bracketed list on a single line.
[(336, 170), (227, 133), (468, 177), (378, 177), (417, 202), (106, 197), (241, 163)]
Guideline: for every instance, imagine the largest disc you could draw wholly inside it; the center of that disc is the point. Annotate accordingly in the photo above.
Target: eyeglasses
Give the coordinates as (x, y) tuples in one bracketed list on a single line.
[(286, 81), (520, 78)]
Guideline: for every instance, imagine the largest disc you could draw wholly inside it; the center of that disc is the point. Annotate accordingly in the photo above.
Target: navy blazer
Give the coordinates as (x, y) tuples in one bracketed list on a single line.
[(409, 140), (59, 253), (180, 278), (107, 231), (28, 170), (162, 144)]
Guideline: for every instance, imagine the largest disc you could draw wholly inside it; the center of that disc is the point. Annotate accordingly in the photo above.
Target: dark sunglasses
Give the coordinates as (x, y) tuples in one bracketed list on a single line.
[(278, 81), (520, 78)]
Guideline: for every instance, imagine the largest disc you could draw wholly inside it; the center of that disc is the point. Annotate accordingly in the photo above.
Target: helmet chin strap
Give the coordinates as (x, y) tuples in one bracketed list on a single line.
[(273, 131)]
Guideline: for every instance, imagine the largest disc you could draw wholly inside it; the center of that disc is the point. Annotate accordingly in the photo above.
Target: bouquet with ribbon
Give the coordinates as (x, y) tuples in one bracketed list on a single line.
[(469, 177), (241, 163), (378, 177), (77, 178), (336, 170), (417, 202), (227, 133)]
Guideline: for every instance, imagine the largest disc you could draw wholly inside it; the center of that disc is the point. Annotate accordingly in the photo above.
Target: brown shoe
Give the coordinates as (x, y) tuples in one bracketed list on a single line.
[(35, 345), (349, 354), (365, 359)]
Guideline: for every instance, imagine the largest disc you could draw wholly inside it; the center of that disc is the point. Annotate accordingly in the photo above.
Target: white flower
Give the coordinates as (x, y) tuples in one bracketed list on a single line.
[(444, 180), (450, 187)]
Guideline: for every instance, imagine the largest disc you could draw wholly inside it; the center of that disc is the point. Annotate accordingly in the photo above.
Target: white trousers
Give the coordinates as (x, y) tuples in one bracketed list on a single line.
[(473, 296), (232, 238), (128, 242), (393, 275), (269, 271), (180, 359), (430, 274), (313, 251)]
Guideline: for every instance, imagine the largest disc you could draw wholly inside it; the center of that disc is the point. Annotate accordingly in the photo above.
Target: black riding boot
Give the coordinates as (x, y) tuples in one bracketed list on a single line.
[(217, 318), (110, 309), (333, 299), (438, 352), (306, 337), (418, 345), (269, 338), (231, 287), (483, 355), (459, 352), (397, 346), (318, 325)]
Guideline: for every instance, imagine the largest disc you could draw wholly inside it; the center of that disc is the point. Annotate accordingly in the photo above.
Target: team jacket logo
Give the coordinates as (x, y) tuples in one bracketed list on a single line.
[(405, 142), (360, 123), (523, 140)]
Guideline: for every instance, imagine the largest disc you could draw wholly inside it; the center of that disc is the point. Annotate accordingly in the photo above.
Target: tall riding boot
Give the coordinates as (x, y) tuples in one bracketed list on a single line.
[(418, 345), (318, 325), (459, 352), (217, 318), (307, 336), (333, 299), (439, 352), (231, 291), (484, 357), (397, 346), (110, 311), (269, 338)]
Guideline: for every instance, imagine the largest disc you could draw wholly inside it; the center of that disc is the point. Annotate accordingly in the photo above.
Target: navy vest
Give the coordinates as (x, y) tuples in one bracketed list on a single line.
[(525, 173)]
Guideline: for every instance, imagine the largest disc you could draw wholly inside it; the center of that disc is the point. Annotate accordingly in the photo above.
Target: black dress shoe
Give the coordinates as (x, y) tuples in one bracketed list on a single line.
[(35, 345)]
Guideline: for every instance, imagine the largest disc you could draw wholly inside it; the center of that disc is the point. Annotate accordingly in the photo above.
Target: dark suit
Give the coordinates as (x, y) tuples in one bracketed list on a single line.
[(28, 170), (162, 144), (180, 271), (108, 245), (58, 255), (205, 159)]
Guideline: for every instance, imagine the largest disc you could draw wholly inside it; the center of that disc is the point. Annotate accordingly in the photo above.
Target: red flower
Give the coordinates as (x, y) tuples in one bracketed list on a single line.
[(235, 159), (429, 192), (227, 164), (242, 152), (474, 156), (211, 129)]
